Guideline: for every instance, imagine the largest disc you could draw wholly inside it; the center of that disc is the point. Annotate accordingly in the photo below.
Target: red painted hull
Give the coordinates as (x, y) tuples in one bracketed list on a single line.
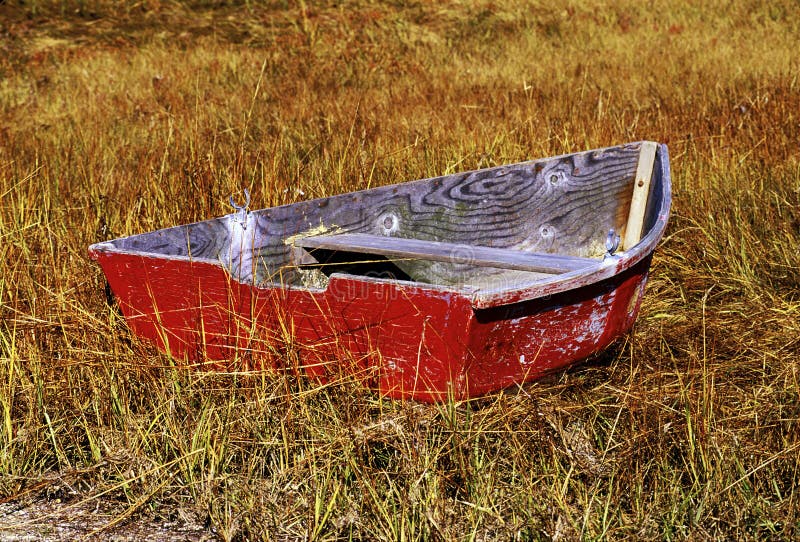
[(405, 340)]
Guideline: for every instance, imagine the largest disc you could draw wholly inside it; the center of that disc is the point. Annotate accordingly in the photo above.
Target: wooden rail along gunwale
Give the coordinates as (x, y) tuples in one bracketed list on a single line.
[(399, 247)]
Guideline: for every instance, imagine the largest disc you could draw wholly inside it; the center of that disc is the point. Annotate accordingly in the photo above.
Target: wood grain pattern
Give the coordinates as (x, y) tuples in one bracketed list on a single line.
[(562, 205)]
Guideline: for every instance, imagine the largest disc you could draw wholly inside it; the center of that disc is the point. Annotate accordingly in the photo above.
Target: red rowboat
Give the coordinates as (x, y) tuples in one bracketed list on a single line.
[(454, 286)]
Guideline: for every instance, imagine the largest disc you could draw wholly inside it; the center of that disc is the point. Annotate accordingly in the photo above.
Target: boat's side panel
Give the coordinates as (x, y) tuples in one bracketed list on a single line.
[(403, 340), (514, 343), (406, 341), (191, 310)]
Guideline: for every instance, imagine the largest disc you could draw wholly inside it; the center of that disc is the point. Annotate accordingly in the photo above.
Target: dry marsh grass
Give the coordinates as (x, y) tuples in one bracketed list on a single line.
[(118, 119)]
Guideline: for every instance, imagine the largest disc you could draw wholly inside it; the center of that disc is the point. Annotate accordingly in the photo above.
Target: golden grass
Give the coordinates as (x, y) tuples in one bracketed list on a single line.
[(117, 120)]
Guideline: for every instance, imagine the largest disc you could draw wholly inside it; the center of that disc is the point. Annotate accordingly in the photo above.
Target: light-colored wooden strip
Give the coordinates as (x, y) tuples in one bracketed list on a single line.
[(398, 247), (641, 189)]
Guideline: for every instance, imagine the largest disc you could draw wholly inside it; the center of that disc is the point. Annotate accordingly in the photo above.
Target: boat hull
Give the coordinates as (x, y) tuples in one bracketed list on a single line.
[(404, 340)]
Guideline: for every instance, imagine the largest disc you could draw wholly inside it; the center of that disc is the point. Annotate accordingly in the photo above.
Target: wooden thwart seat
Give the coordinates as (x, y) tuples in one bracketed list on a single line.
[(397, 247)]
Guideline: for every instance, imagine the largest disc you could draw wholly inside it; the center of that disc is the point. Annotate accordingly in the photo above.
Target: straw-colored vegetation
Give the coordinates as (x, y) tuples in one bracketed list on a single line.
[(121, 119)]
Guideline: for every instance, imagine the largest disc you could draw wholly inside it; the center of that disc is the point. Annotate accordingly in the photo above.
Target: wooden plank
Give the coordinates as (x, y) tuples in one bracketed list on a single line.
[(398, 247), (641, 189)]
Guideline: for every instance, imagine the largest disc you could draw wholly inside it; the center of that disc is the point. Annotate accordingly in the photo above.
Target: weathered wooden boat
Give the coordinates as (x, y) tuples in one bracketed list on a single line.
[(452, 286)]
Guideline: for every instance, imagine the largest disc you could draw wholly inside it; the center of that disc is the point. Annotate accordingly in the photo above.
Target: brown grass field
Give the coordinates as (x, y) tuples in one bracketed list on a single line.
[(119, 118)]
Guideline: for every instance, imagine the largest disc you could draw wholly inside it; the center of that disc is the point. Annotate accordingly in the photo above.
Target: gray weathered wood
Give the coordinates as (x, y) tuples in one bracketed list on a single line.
[(563, 205), (398, 247)]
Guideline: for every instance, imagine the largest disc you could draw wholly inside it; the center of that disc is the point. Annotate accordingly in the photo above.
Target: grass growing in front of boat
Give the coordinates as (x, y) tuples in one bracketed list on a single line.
[(120, 120)]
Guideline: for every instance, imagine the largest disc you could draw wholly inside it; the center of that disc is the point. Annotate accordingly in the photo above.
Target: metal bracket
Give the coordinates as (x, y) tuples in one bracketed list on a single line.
[(242, 210), (612, 244)]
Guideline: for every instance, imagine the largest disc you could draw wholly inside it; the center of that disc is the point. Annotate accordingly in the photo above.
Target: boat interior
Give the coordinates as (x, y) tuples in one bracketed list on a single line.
[(513, 224)]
